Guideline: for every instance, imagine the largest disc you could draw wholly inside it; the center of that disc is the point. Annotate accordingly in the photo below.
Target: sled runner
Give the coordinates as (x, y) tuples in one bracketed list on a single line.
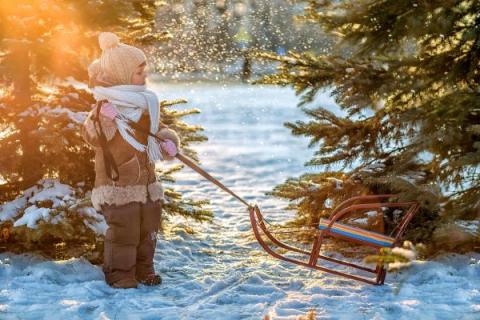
[(326, 228)]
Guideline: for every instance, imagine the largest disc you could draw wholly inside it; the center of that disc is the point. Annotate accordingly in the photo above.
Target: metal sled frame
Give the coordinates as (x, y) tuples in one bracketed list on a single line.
[(344, 209)]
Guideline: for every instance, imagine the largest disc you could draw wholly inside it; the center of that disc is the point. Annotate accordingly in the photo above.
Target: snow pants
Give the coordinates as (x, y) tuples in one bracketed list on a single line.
[(130, 240)]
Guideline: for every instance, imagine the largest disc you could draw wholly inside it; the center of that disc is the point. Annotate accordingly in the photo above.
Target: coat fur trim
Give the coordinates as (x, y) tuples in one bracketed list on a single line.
[(120, 195)]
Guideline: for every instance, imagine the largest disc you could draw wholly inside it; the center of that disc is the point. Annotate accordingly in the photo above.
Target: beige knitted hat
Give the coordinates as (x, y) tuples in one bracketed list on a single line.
[(117, 62)]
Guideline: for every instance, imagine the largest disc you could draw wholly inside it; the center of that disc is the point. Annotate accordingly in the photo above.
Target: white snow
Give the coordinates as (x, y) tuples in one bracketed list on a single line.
[(404, 252), (59, 195), (338, 182), (375, 167), (9, 210), (53, 190), (99, 225), (328, 203), (31, 216), (77, 117), (471, 226), (220, 272), (361, 221), (413, 177), (374, 213)]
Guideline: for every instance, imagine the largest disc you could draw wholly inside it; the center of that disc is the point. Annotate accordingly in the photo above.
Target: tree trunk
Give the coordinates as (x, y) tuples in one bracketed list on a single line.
[(29, 167)]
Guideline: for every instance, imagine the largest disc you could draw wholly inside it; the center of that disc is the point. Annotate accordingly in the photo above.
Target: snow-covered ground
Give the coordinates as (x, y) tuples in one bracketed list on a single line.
[(220, 272)]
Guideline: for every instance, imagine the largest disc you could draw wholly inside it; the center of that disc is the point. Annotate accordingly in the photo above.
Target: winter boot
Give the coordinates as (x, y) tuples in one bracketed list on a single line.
[(151, 280), (125, 284)]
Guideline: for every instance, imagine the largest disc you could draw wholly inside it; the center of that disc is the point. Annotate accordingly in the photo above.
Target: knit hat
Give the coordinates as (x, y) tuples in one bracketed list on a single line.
[(117, 62)]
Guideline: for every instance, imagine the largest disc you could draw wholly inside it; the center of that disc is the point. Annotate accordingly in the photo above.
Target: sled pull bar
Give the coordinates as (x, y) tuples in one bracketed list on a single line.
[(207, 176), (189, 162)]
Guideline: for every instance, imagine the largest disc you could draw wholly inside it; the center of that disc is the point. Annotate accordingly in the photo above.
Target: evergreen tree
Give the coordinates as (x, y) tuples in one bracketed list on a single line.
[(45, 48), (406, 76)]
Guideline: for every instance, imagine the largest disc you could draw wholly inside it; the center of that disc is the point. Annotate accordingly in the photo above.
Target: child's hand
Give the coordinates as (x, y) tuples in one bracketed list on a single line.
[(109, 111), (169, 147)]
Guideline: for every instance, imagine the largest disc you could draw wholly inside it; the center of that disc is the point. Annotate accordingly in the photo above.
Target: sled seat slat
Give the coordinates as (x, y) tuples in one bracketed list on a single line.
[(359, 234)]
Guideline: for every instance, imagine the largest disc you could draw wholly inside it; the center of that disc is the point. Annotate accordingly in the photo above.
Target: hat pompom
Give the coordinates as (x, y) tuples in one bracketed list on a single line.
[(108, 40)]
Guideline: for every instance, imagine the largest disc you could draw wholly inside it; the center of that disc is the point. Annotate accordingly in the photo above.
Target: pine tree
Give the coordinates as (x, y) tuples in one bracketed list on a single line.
[(406, 76), (45, 47)]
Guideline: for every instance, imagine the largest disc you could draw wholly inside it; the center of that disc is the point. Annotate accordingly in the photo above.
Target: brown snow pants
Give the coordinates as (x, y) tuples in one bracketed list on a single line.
[(130, 240)]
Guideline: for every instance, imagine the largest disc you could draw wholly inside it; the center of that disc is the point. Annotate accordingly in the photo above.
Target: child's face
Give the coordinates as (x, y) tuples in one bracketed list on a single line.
[(139, 75)]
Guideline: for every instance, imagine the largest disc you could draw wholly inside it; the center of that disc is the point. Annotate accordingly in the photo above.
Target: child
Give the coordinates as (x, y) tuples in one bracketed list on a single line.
[(126, 190)]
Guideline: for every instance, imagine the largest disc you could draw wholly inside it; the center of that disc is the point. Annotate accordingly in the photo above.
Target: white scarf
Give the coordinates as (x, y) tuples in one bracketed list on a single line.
[(131, 101)]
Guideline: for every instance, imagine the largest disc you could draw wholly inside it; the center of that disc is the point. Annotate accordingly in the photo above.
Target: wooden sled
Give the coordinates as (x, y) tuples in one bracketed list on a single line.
[(332, 228)]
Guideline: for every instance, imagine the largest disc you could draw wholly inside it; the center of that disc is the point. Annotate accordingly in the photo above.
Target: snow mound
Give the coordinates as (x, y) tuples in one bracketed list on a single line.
[(47, 201)]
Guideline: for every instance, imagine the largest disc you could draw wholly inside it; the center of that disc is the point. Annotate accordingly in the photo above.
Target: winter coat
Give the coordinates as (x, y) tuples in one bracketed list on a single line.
[(137, 180)]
